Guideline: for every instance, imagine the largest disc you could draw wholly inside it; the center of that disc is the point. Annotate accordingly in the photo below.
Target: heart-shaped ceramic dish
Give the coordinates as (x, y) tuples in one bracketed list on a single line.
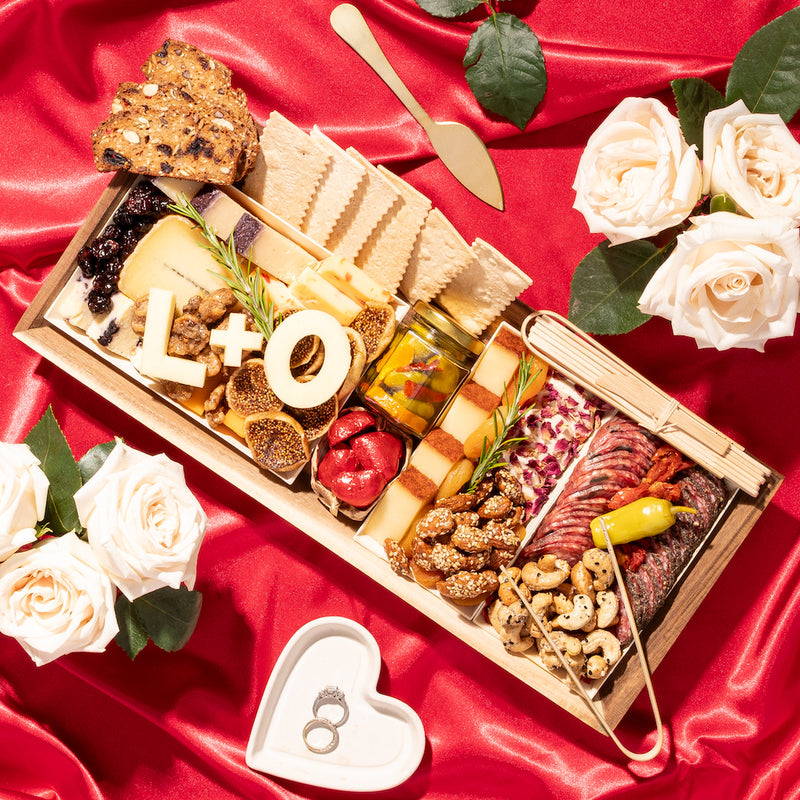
[(380, 745)]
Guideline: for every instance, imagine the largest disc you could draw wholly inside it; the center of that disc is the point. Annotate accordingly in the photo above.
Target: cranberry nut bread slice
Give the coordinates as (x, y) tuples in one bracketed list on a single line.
[(186, 121)]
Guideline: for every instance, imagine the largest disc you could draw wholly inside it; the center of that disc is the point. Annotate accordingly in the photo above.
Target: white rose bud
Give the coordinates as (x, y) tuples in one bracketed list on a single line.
[(731, 281), (55, 599), (142, 521), (23, 497), (637, 176), (753, 158)]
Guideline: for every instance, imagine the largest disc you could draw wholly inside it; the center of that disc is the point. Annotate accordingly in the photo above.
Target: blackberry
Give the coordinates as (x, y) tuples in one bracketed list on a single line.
[(98, 303)]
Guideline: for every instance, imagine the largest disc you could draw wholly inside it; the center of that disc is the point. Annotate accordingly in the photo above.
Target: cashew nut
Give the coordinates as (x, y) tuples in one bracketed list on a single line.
[(509, 622), (582, 614), (570, 646), (606, 643), (607, 609), (506, 591), (545, 574), (541, 603), (581, 579), (561, 603), (599, 562), (595, 667)]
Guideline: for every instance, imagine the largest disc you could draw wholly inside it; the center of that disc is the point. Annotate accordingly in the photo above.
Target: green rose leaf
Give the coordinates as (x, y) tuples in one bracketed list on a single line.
[(94, 459), (169, 615), (695, 98), (607, 285), (132, 637), (448, 8), (48, 444), (766, 72), (505, 68)]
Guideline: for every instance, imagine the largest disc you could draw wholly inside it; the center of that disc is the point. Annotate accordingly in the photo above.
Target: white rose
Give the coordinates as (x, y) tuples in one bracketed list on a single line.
[(142, 521), (55, 599), (753, 158), (23, 497), (731, 281), (637, 176)]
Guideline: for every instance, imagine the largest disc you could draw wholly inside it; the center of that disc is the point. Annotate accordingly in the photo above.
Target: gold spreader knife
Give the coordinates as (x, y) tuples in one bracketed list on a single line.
[(459, 147)]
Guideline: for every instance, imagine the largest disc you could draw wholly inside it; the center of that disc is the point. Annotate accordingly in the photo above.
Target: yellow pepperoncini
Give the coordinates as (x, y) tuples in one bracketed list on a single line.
[(647, 516)]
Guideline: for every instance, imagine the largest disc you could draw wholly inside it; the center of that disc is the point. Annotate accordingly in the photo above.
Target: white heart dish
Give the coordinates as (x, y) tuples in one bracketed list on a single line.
[(380, 744)]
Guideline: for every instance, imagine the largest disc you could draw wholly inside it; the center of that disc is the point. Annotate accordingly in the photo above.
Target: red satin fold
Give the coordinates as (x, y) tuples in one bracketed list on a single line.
[(176, 725)]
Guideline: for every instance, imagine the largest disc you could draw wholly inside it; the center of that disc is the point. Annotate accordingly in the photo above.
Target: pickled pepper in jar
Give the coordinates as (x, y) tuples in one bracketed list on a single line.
[(421, 370)]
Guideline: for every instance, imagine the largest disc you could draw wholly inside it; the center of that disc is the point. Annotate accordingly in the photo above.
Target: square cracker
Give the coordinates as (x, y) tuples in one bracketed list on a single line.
[(368, 206), (339, 183), (287, 171), (480, 293), (384, 256), (440, 253)]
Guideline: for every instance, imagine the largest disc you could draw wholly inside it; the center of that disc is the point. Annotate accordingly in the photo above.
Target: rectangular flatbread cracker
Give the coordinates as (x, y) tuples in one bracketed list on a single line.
[(440, 253), (339, 183), (384, 257), (482, 291), (368, 206), (287, 171)]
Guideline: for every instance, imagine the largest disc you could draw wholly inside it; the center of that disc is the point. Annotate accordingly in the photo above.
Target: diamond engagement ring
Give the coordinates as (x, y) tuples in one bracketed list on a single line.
[(314, 724), (332, 696)]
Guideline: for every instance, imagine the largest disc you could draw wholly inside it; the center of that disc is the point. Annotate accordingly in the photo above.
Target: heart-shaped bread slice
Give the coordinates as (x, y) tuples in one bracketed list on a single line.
[(382, 741)]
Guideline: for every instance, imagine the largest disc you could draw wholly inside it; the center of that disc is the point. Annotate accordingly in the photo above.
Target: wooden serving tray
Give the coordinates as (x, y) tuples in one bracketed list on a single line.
[(299, 506)]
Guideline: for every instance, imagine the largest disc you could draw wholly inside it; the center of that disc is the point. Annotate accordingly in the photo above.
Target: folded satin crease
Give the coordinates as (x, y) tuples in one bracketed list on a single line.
[(172, 725)]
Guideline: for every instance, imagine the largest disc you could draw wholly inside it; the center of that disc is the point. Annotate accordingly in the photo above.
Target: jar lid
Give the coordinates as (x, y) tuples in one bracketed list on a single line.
[(448, 326)]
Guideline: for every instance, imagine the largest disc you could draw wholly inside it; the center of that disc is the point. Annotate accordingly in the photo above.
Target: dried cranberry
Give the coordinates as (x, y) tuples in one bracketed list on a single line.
[(113, 267), (122, 218), (98, 303), (104, 248), (127, 242), (141, 228), (139, 204)]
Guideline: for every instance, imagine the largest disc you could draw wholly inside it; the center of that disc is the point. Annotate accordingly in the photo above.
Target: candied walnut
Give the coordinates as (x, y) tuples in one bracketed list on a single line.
[(468, 585), (398, 560), (192, 304), (214, 401), (216, 305), (496, 507), (211, 360), (470, 539), (516, 516), (215, 418), (189, 336), (437, 522), (177, 391), (139, 315), (457, 502)]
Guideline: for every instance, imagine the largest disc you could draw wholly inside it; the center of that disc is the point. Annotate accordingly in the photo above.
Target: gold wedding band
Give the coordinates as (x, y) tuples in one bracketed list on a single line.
[(321, 722)]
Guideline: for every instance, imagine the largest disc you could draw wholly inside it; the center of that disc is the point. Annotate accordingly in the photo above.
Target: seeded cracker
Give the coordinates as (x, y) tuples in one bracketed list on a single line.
[(386, 253), (480, 293), (439, 254), (287, 172), (340, 182), (371, 202)]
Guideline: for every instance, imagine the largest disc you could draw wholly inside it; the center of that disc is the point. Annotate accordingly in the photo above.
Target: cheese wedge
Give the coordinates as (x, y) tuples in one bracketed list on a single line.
[(313, 291), (399, 506), (436, 454), (172, 256), (270, 250), (499, 361), (352, 280)]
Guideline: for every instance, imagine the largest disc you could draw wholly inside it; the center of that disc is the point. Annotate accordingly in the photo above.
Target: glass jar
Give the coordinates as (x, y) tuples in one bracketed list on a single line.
[(423, 367)]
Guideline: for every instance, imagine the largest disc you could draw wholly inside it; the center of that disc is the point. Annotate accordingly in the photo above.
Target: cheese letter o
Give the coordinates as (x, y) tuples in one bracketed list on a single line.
[(335, 367)]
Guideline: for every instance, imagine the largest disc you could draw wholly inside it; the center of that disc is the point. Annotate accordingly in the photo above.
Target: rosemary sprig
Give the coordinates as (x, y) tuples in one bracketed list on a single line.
[(492, 455), (246, 283)]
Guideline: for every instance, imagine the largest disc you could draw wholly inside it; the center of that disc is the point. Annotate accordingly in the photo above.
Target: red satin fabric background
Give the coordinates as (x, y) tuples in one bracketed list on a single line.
[(176, 725)]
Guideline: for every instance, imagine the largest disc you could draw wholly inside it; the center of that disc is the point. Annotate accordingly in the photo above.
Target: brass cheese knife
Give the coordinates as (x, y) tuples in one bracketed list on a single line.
[(459, 147)]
